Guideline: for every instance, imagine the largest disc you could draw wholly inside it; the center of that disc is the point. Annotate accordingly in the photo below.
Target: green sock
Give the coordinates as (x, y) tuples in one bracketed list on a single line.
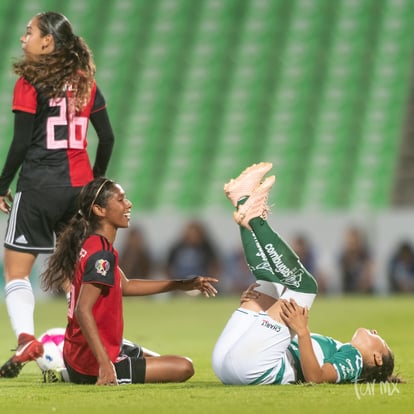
[(285, 264), (256, 258)]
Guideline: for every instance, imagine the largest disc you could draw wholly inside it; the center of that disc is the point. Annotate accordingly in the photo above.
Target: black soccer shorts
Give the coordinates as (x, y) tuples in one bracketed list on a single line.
[(37, 216), (129, 370)]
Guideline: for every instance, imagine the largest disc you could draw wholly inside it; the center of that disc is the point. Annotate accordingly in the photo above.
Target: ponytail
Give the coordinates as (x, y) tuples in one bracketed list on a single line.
[(70, 65), (61, 265)]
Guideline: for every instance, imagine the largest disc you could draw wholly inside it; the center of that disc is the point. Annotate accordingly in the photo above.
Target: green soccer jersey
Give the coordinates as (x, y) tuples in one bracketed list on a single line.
[(345, 358)]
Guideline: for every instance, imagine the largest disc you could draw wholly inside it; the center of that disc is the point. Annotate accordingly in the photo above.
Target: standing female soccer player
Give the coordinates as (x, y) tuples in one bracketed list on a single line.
[(86, 256), (267, 339), (54, 99)]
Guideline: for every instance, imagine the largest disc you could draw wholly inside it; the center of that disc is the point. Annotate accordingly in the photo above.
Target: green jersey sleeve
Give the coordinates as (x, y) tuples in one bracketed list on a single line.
[(348, 363)]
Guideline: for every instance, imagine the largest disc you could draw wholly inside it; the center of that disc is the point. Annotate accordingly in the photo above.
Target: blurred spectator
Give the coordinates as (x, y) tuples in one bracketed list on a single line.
[(193, 254), (236, 276), (401, 269), (135, 258), (356, 264), (302, 247)]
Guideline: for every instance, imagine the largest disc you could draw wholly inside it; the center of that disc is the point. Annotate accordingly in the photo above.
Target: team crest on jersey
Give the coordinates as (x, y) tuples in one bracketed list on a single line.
[(102, 266)]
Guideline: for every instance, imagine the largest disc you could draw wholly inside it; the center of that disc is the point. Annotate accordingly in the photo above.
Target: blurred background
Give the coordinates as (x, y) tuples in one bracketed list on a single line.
[(197, 90)]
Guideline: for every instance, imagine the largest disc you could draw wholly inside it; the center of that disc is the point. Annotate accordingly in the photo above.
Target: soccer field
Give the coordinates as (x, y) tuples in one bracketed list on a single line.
[(190, 326)]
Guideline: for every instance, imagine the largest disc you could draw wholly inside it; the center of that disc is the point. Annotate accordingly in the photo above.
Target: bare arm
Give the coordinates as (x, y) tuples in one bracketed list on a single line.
[(88, 296), (144, 287), (296, 318)]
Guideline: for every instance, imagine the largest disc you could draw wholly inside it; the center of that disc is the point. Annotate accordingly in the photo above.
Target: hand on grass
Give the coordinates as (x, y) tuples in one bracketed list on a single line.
[(107, 374)]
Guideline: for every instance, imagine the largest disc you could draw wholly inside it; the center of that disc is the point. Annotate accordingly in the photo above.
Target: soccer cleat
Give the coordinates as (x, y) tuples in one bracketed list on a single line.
[(28, 349), (256, 205), (52, 375), (246, 182), (130, 349), (10, 369)]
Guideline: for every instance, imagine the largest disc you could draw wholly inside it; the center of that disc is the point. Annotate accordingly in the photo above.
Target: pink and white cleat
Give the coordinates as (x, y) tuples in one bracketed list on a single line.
[(246, 182)]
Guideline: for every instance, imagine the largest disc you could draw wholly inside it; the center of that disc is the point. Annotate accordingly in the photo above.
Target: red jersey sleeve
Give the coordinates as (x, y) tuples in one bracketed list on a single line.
[(99, 268), (24, 97)]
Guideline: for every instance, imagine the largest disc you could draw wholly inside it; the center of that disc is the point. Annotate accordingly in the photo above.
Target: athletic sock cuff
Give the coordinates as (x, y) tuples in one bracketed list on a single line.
[(272, 289), (17, 284)]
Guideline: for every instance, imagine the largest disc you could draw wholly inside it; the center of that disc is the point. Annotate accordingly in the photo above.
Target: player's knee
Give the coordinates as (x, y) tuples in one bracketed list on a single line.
[(186, 369)]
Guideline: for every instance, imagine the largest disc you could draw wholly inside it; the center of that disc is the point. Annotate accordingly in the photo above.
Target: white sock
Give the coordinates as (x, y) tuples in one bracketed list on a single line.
[(271, 289), (301, 298), (20, 303)]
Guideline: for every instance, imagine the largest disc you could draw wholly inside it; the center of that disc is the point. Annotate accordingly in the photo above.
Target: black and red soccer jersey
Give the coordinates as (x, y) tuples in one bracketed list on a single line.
[(54, 151), (98, 264)]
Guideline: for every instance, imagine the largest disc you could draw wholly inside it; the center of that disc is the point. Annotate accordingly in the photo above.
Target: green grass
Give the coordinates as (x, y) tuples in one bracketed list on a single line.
[(190, 326)]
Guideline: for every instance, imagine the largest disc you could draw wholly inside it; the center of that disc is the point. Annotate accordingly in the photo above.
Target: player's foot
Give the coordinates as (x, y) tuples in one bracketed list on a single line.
[(246, 182), (256, 205), (28, 349)]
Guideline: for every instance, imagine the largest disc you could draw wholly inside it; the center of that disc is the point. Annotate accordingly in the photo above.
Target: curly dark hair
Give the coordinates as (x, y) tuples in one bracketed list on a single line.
[(62, 263), (69, 66)]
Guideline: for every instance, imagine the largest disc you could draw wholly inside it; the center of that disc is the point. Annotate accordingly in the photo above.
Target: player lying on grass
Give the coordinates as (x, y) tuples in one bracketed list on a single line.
[(267, 339), (86, 256)]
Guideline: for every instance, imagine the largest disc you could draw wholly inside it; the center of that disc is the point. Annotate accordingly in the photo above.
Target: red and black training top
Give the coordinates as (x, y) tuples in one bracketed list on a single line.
[(50, 143), (98, 264)]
